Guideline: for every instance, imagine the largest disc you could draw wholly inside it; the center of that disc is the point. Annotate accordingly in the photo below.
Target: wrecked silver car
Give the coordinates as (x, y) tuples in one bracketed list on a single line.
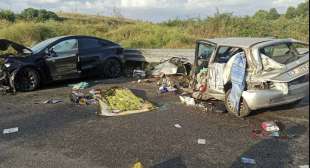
[(251, 73)]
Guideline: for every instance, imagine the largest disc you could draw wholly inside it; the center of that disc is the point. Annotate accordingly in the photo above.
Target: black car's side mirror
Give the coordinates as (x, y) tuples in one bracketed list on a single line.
[(50, 52)]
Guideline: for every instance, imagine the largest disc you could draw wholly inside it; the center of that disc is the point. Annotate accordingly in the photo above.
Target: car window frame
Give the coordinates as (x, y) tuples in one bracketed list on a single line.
[(100, 42), (222, 46), (60, 41)]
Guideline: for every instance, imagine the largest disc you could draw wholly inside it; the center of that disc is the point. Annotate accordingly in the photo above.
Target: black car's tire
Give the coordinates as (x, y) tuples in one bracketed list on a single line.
[(112, 68), (27, 79), (244, 108)]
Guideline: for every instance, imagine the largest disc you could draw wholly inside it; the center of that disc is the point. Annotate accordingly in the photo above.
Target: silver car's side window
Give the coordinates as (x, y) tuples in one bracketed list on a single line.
[(65, 46), (205, 51)]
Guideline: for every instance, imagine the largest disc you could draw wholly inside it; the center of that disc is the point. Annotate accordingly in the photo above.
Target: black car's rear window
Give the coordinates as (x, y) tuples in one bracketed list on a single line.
[(90, 43)]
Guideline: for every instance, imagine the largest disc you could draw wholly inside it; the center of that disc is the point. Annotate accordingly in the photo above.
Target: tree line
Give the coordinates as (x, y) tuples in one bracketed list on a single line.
[(29, 14)]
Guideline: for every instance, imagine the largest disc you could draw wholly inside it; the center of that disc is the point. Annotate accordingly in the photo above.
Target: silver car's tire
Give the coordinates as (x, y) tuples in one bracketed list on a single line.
[(244, 108)]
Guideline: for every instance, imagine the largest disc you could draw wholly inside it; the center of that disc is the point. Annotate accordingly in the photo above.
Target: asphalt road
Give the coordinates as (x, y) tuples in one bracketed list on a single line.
[(69, 136)]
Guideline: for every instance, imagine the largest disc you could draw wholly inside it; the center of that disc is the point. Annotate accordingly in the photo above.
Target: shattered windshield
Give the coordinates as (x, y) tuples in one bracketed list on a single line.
[(42, 45), (285, 53)]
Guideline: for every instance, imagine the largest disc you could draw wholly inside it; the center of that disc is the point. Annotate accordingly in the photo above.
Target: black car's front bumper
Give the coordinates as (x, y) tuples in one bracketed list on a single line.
[(5, 85)]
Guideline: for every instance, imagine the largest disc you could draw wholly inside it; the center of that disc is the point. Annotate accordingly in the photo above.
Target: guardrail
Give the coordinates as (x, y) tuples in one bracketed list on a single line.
[(157, 55)]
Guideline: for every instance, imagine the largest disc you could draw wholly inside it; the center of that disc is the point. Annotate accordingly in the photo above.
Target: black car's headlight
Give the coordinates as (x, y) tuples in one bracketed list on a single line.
[(7, 65)]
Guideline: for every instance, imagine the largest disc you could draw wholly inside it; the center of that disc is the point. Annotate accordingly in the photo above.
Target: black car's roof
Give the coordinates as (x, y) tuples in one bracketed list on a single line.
[(85, 36)]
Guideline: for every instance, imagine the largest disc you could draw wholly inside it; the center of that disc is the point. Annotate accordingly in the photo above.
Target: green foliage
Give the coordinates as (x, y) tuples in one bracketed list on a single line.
[(122, 99), (38, 15), (33, 26), (291, 13), (7, 15)]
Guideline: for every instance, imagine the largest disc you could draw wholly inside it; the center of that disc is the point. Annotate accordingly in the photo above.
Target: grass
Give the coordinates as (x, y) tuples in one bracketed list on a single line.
[(170, 34)]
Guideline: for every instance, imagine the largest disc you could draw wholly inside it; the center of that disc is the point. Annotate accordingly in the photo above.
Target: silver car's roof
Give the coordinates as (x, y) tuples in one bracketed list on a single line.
[(248, 42), (242, 42)]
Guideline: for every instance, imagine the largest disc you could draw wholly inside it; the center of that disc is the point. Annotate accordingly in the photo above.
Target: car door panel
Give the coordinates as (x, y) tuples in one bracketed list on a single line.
[(63, 64)]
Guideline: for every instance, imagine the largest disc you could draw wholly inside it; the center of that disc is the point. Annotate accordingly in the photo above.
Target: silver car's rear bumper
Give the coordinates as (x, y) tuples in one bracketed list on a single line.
[(257, 99)]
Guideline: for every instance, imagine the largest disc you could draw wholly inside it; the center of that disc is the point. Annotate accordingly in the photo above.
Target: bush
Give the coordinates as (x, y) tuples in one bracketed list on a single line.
[(7, 15), (38, 15)]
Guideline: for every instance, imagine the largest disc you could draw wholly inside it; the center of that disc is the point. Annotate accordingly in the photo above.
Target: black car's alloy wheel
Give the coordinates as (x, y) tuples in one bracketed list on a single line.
[(112, 68), (26, 80)]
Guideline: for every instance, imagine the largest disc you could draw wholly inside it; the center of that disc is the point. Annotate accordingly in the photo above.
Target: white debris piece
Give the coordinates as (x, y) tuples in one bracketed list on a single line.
[(177, 126), (202, 141), (10, 130), (189, 101), (248, 160), (304, 166)]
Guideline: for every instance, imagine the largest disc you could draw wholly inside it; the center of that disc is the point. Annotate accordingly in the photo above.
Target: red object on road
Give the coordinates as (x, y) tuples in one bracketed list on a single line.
[(270, 126)]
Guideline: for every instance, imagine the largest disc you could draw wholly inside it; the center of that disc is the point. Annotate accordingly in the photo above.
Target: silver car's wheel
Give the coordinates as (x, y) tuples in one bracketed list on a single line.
[(244, 108)]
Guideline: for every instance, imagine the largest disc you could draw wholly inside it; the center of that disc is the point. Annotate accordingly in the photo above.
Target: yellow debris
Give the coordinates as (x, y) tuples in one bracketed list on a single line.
[(138, 165)]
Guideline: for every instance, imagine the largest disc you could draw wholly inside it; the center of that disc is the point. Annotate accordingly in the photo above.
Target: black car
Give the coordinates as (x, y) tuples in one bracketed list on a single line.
[(59, 58)]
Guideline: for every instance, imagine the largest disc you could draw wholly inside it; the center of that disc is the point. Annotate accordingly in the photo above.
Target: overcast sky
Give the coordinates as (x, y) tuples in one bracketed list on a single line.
[(152, 10)]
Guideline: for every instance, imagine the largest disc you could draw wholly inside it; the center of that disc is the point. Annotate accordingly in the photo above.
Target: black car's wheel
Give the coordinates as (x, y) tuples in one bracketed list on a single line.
[(112, 68), (26, 80), (244, 108)]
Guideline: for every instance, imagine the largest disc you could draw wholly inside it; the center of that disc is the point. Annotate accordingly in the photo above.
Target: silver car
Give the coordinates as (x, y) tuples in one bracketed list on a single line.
[(277, 71)]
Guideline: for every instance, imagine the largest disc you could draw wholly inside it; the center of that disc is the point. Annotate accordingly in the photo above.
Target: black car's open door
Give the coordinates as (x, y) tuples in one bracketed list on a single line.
[(62, 60)]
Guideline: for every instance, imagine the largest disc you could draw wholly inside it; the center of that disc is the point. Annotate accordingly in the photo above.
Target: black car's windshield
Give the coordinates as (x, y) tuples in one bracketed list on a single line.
[(42, 45)]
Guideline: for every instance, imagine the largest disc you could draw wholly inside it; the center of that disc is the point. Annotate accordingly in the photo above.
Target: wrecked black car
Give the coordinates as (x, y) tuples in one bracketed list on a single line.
[(59, 58)]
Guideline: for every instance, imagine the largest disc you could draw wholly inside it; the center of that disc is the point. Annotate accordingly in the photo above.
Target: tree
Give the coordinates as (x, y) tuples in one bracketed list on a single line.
[(303, 9), (29, 14), (291, 12), (261, 14), (38, 15), (7, 15), (273, 14)]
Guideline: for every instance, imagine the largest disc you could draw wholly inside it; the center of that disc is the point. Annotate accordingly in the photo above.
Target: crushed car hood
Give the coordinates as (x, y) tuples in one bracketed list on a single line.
[(5, 44)]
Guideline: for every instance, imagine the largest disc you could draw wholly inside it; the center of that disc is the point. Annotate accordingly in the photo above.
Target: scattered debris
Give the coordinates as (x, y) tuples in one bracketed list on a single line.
[(177, 126), (164, 89), (271, 129), (270, 126), (173, 66), (80, 86), (202, 141), (10, 130), (187, 100), (80, 98), (245, 160), (53, 101), (119, 101), (139, 74), (138, 165)]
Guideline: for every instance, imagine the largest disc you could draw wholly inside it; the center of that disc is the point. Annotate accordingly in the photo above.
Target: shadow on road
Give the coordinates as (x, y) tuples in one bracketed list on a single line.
[(299, 104), (271, 152), (172, 163)]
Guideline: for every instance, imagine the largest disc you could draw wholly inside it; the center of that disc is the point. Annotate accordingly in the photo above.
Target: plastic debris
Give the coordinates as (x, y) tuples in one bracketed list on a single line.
[(10, 130), (187, 100), (245, 160), (80, 86), (202, 141), (53, 101), (139, 74), (177, 126), (138, 165), (164, 89), (172, 66), (80, 98), (270, 126)]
